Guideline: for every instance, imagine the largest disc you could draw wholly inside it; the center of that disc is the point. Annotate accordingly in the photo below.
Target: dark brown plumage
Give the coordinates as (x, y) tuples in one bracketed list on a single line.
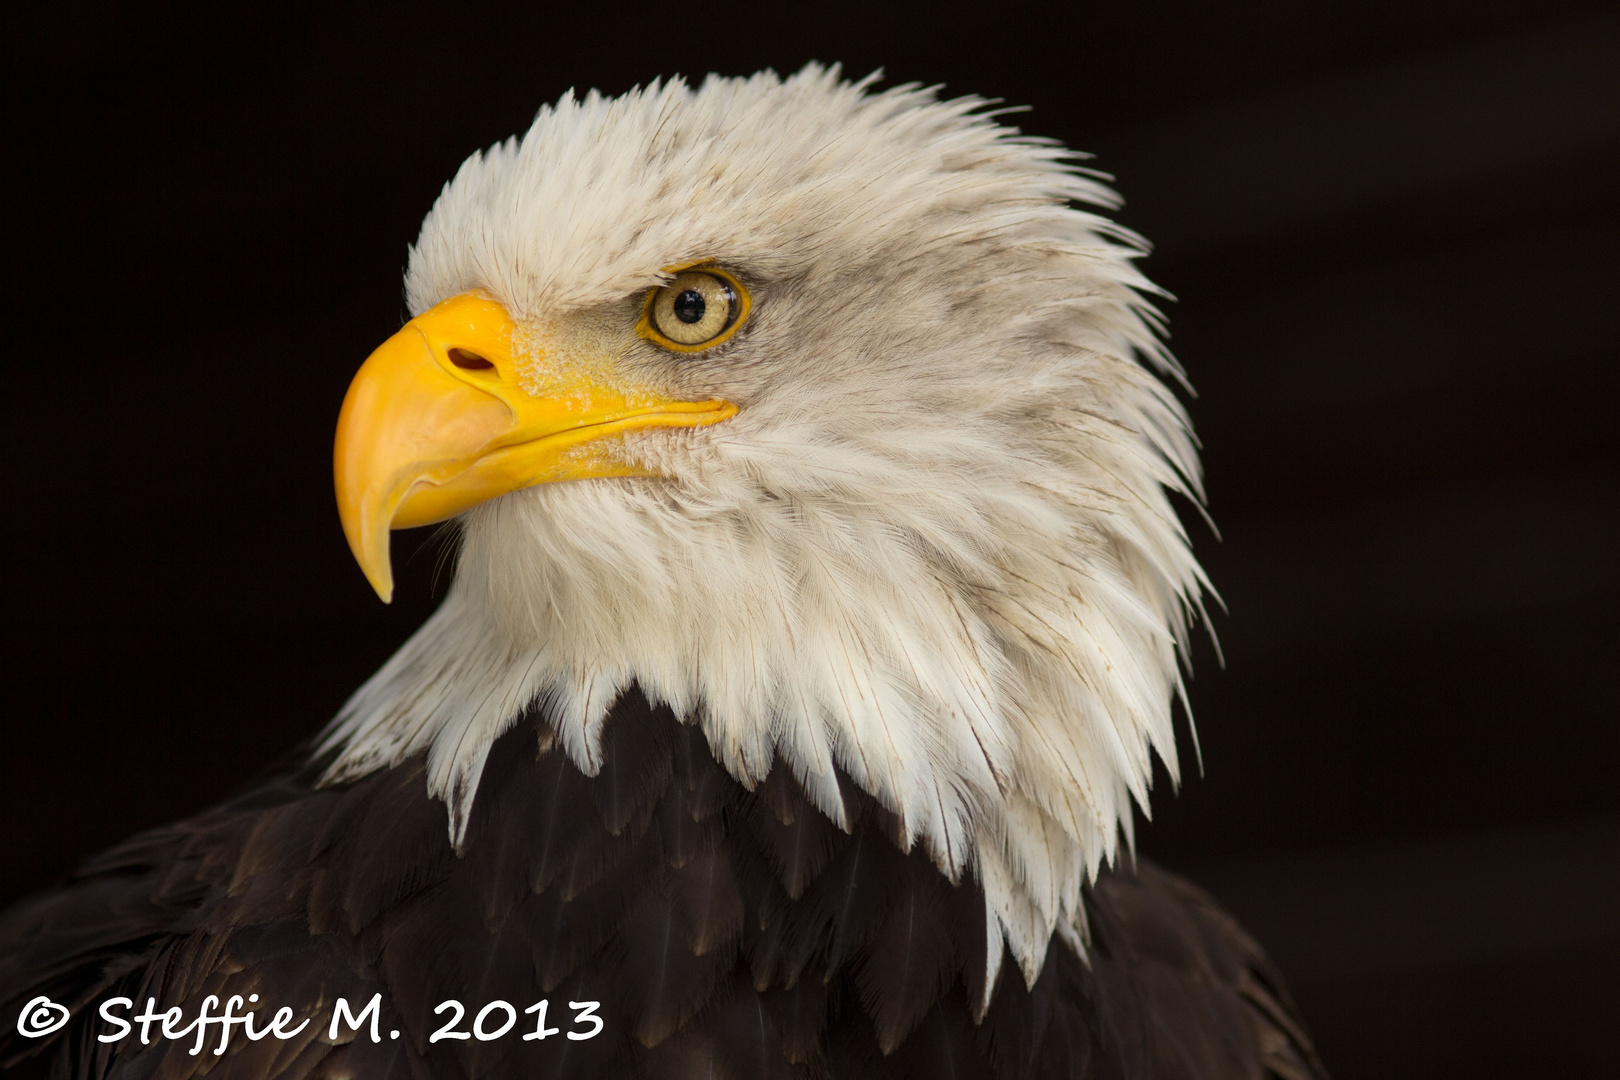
[(726, 933)]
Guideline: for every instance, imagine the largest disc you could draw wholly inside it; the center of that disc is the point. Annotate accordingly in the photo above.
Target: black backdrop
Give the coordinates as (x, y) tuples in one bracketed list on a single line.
[(1392, 227)]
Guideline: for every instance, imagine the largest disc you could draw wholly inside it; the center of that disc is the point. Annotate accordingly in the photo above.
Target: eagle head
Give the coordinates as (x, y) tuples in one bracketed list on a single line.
[(829, 418)]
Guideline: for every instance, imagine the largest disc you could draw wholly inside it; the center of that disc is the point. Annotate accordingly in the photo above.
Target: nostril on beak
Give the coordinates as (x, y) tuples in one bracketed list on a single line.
[(469, 361)]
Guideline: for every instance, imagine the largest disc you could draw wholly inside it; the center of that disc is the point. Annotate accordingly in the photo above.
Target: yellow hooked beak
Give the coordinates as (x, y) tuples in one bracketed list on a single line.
[(436, 422)]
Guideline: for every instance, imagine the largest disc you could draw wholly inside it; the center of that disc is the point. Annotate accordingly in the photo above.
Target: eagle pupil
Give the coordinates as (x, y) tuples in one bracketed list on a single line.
[(689, 306)]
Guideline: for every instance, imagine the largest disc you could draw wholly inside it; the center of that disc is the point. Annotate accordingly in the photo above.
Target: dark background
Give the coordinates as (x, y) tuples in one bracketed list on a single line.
[(1392, 228)]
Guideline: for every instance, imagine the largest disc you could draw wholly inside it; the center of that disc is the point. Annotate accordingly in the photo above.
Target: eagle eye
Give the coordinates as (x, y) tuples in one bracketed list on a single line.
[(697, 310)]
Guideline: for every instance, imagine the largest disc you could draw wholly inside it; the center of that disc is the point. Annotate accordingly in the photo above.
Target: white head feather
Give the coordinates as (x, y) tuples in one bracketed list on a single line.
[(934, 548)]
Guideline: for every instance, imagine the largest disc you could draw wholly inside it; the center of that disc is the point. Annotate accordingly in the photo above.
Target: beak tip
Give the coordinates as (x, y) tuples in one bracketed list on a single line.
[(384, 588), (380, 574), (372, 555)]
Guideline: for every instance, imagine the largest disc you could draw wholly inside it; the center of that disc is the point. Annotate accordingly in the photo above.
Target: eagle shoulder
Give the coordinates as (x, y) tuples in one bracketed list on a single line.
[(721, 932)]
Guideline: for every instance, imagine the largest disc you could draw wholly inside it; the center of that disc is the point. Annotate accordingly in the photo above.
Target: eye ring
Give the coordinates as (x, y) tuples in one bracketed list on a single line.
[(700, 299)]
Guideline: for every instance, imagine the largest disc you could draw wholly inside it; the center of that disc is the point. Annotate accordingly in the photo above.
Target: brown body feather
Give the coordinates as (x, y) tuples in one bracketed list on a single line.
[(725, 932)]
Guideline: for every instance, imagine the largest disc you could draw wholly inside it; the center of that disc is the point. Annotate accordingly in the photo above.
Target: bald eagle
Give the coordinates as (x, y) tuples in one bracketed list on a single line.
[(819, 609)]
